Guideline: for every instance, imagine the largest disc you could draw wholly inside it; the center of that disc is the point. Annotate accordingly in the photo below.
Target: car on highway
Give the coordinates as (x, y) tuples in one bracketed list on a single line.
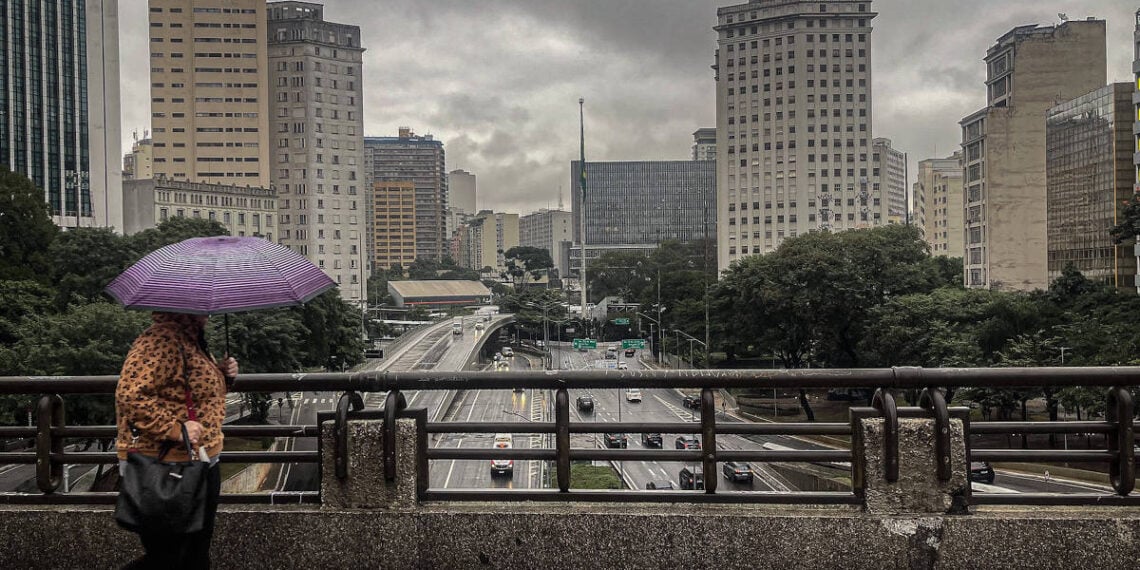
[(507, 352), (688, 441), (982, 472), (691, 478), (660, 486), (502, 466), (479, 326), (611, 353), (633, 395), (616, 440), (651, 439), (586, 403), (623, 366), (540, 343), (740, 472), (691, 402), (629, 352)]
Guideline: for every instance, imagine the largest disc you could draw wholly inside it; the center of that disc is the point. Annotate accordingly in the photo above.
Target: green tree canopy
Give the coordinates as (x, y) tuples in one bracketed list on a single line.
[(26, 229)]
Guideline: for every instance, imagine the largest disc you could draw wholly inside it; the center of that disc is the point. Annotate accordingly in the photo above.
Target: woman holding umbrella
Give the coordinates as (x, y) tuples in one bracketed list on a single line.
[(170, 381)]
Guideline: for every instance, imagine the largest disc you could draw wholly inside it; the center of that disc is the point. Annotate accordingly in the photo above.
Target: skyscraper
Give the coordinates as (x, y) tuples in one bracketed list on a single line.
[(420, 160), (889, 168), (793, 96), (704, 144), (1029, 69), (59, 106), (209, 92), (549, 230), (460, 201), (317, 144)]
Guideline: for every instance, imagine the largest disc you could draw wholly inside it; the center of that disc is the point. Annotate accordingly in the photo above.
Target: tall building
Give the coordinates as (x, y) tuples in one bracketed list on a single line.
[(394, 224), (1089, 176), (633, 206), (1029, 70), (460, 201), (243, 210), (492, 235), (793, 99), (317, 145), (889, 168), (939, 209), (139, 163), (549, 229), (209, 97), (704, 144), (421, 160), (59, 106)]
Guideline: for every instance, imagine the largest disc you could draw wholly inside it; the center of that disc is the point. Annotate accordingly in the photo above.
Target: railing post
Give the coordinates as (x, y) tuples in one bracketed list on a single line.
[(49, 414), (708, 439), (562, 437), (1122, 469), (884, 401)]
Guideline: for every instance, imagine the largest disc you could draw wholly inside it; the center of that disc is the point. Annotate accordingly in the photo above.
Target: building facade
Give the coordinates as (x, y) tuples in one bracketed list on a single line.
[(394, 224), (460, 201), (889, 168), (59, 106), (548, 229), (317, 144), (209, 97), (243, 210), (1029, 69), (793, 99), (1090, 175), (939, 209), (704, 144), (492, 235), (421, 160), (139, 163)]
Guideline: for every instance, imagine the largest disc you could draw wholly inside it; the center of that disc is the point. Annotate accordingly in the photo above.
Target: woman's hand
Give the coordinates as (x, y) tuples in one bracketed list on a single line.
[(193, 431), (229, 367)]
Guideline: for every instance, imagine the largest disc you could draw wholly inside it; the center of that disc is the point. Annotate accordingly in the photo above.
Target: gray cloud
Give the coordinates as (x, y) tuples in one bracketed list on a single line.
[(498, 80)]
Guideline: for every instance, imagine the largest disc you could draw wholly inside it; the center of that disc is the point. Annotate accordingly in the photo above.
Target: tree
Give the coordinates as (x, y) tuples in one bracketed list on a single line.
[(86, 261), (26, 229), (22, 300), (173, 231), (333, 330), (526, 261), (1128, 226)]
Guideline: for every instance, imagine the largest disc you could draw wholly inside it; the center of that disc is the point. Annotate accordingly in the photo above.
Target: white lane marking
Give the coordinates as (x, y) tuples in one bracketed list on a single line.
[(450, 470), (995, 489)]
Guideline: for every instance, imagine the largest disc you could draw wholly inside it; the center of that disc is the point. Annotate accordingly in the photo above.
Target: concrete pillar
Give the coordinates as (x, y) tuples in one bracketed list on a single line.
[(365, 487), (918, 489)]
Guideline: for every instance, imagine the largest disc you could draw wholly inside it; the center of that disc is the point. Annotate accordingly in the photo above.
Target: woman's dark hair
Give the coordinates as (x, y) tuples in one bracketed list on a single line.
[(202, 341)]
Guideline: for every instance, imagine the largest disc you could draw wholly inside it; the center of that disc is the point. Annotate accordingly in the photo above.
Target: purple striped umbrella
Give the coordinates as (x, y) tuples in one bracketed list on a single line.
[(214, 275)]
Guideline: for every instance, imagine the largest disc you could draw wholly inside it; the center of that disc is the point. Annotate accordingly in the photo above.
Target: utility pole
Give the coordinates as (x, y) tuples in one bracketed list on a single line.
[(707, 301), (582, 204)]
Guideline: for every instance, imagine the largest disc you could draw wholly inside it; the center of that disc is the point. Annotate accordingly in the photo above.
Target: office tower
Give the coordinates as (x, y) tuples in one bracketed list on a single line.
[(793, 99), (1029, 69), (209, 93), (938, 204), (460, 201), (492, 235), (549, 230), (634, 206), (704, 144), (1089, 176), (418, 159), (394, 224), (317, 142), (243, 210), (889, 168), (59, 106)]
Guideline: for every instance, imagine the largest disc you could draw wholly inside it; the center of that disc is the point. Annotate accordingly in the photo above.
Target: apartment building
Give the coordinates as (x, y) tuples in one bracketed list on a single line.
[(421, 160), (889, 168), (243, 210), (704, 144), (394, 224), (549, 230), (939, 209)]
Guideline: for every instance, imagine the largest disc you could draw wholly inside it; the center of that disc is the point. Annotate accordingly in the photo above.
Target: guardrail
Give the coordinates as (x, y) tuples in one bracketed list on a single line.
[(51, 431)]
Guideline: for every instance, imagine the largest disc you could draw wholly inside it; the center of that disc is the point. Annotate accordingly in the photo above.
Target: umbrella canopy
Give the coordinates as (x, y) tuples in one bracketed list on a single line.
[(214, 275)]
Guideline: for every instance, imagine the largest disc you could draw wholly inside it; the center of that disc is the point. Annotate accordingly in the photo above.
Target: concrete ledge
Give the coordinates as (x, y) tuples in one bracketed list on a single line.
[(598, 536)]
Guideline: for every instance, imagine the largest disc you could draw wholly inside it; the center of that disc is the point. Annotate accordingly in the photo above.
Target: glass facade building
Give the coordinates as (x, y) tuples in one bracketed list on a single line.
[(1089, 177)]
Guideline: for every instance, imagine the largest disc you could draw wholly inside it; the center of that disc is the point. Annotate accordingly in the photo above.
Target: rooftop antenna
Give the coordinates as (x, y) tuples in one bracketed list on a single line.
[(560, 197)]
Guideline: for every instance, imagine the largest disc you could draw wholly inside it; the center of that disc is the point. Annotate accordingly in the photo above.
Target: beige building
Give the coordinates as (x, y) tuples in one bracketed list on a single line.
[(1029, 69), (889, 168), (394, 224), (317, 142), (549, 230), (793, 99), (209, 92), (139, 163), (243, 210), (938, 204), (492, 235)]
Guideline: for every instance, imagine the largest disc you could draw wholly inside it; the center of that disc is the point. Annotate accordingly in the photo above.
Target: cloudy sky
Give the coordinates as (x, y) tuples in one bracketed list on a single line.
[(498, 81)]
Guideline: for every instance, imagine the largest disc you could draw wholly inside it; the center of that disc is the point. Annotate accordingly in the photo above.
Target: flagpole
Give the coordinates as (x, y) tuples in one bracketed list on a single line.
[(582, 212)]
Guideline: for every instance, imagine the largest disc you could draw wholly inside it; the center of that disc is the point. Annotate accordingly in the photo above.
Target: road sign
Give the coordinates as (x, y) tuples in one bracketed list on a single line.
[(638, 343), (621, 321), (585, 343)]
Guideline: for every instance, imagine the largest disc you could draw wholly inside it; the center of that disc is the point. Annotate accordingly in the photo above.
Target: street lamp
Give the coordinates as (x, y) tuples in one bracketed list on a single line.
[(545, 330), (693, 339), (660, 347)]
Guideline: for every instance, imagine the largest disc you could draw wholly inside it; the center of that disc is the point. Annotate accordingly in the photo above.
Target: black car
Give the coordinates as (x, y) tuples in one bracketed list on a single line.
[(586, 404), (660, 486), (688, 442), (740, 472), (981, 472), (691, 478), (630, 352), (616, 440), (692, 402), (651, 439)]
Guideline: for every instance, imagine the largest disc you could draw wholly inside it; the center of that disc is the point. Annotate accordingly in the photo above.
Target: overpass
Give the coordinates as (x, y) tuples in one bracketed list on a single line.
[(910, 502)]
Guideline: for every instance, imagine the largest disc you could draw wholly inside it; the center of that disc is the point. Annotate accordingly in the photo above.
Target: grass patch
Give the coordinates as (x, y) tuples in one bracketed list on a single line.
[(586, 476), (242, 444)]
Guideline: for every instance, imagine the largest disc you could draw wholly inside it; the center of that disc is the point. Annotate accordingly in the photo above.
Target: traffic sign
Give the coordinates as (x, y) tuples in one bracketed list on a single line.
[(638, 343), (585, 343), (621, 321)]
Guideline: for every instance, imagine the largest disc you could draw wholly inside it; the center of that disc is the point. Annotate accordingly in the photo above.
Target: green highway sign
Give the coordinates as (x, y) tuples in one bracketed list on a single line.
[(638, 343), (585, 343), (621, 321)]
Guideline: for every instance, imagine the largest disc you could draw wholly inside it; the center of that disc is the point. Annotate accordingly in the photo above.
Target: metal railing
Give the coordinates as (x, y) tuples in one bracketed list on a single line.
[(50, 431)]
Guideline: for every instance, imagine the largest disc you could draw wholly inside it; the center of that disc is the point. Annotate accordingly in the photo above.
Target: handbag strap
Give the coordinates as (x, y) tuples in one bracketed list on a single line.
[(191, 410)]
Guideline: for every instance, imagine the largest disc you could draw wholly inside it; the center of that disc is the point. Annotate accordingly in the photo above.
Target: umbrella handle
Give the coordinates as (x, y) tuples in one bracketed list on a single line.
[(227, 319)]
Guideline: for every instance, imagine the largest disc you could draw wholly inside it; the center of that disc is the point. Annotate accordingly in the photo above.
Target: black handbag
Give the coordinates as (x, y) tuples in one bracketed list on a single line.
[(160, 497)]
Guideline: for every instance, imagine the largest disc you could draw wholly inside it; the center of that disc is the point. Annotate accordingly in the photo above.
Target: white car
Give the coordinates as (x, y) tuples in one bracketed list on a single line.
[(502, 466), (623, 366), (633, 395), (478, 326)]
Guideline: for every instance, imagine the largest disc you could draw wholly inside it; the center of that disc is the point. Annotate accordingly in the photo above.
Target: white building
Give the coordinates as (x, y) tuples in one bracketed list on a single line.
[(549, 229)]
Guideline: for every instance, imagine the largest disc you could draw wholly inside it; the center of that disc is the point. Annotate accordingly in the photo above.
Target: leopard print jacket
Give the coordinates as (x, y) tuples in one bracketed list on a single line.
[(151, 394)]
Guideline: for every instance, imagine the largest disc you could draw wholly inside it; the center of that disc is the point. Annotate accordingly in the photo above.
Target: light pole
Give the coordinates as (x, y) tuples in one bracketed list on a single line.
[(1063, 349), (582, 204), (652, 334), (693, 339), (545, 330)]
